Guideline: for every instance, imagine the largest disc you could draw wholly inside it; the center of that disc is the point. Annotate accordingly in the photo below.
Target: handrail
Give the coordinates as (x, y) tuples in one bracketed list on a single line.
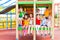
[(8, 22)]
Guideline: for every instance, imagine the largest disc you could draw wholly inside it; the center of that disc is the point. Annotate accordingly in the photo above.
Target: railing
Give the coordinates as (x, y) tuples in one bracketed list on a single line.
[(3, 25)]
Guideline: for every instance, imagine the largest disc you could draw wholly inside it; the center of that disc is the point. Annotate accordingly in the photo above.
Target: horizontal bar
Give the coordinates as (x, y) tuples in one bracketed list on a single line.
[(26, 2), (38, 2), (44, 2), (32, 28)]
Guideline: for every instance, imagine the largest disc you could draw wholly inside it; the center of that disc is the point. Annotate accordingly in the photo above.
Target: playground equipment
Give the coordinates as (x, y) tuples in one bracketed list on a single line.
[(37, 4)]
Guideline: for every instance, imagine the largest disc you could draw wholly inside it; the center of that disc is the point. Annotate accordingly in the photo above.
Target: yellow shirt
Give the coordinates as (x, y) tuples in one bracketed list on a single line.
[(47, 13), (26, 22)]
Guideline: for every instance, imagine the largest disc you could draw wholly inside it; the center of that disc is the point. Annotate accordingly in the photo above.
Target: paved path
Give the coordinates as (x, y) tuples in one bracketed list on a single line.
[(57, 34), (7, 35)]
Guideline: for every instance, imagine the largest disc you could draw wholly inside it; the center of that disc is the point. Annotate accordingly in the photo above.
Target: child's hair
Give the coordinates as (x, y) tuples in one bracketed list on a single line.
[(37, 14), (26, 15), (46, 7), (43, 15), (37, 10), (46, 17)]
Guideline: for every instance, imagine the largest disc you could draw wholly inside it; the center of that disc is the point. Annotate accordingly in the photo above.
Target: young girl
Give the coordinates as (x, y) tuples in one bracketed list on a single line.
[(38, 22), (25, 23), (31, 19), (26, 20), (31, 22)]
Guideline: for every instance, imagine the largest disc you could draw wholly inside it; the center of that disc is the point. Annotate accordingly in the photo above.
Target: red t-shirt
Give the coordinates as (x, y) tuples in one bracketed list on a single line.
[(38, 21)]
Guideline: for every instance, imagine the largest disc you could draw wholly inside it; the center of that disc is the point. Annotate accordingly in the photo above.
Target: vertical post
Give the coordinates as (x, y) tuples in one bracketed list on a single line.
[(52, 28), (16, 19), (11, 21), (34, 37), (6, 20)]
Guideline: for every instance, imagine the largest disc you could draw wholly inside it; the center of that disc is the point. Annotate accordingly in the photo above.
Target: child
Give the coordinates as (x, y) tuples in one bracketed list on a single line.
[(26, 20), (31, 22), (21, 12), (47, 12), (44, 25), (31, 19), (25, 23), (38, 22)]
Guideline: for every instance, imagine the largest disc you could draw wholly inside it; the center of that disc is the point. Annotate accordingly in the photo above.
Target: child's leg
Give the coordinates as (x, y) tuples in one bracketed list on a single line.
[(28, 29), (37, 29), (25, 32), (20, 30)]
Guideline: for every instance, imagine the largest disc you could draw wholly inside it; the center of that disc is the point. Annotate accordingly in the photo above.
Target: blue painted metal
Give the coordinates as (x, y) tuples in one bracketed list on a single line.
[(11, 21), (7, 21)]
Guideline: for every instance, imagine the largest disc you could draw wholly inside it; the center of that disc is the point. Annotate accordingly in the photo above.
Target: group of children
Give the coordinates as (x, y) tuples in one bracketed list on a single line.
[(45, 21), (46, 18), (25, 19)]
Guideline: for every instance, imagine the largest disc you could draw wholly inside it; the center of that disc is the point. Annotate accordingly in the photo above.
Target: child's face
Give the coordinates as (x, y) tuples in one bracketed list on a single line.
[(43, 16), (38, 16), (26, 16), (30, 15), (21, 9)]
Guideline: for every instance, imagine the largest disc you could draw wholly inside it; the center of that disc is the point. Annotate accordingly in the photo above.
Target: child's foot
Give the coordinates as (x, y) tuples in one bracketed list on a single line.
[(41, 34), (45, 34)]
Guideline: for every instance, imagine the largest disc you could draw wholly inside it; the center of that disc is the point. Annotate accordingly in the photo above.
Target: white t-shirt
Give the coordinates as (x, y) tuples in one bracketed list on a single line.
[(31, 21)]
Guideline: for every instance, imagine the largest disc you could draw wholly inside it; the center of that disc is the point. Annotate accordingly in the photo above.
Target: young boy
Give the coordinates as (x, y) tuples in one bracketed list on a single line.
[(21, 12), (47, 12)]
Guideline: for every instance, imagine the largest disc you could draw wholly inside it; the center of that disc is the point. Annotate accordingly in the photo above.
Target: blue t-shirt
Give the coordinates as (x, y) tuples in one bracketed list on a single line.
[(44, 22)]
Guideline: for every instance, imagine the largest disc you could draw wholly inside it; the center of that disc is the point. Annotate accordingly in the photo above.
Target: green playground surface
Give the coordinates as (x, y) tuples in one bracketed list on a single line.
[(32, 28)]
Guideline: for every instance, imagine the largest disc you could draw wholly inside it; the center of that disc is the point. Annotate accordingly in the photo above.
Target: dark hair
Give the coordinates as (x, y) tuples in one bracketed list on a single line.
[(46, 7), (46, 17), (43, 15), (26, 15), (37, 10), (37, 14)]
